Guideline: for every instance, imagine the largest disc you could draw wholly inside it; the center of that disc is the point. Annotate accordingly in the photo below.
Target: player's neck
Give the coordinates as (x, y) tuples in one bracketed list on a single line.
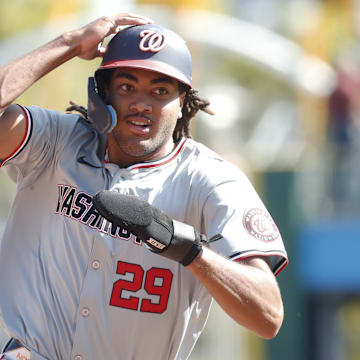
[(125, 158)]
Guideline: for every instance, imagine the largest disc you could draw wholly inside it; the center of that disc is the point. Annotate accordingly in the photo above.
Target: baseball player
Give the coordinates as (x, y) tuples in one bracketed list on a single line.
[(132, 274)]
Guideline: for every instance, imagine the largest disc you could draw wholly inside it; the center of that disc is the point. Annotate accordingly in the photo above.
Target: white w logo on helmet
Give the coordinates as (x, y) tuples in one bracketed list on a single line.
[(151, 41)]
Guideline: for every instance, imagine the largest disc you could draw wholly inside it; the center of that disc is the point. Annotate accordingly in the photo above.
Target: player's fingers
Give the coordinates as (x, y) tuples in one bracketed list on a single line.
[(113, 23), (109, 25), (133, 16), (105, 26), (129, 19), (101, 51)]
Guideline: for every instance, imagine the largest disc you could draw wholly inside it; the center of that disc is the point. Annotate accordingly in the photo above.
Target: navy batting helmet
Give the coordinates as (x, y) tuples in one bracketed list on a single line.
[(150, 47)]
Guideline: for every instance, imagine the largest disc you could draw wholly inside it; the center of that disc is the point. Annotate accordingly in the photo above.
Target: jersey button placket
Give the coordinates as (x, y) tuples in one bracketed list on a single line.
[(85, 312), (96, 265)]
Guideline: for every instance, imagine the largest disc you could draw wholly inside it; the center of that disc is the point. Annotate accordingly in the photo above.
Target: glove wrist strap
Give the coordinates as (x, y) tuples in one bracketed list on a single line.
[(184, 242)]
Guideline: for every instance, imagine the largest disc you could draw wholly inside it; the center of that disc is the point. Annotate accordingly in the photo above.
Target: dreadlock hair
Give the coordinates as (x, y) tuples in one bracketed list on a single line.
[(192, 104)]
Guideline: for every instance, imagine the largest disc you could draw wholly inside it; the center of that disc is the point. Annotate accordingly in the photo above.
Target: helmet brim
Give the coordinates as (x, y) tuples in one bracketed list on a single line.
[(156, 66)]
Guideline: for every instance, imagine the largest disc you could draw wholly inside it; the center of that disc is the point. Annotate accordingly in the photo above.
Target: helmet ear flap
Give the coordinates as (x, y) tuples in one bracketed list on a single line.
[(101, 116), (102, 80)]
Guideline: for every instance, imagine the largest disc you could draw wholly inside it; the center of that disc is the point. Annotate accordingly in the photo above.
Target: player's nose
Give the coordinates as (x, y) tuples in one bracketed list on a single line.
[(141, 105)]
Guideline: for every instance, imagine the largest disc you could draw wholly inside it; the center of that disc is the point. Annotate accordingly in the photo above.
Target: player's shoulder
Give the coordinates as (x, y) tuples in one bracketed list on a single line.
[(210, 165), (36, 111), (204, 157), (64, 129), (56, 120)]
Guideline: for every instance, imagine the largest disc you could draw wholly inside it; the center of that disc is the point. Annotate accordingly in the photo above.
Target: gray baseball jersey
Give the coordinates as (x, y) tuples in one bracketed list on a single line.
[(77, 287)]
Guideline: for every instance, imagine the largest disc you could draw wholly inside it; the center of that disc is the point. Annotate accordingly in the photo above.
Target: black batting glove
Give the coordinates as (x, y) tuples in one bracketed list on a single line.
[(164, 236)]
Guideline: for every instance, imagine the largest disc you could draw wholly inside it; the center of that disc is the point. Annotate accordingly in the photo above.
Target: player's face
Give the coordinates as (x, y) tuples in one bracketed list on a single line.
[(147, 105)]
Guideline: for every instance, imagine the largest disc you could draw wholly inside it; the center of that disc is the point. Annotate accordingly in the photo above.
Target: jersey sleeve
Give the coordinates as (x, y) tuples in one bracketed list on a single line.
[(46, 132), (234, 209)]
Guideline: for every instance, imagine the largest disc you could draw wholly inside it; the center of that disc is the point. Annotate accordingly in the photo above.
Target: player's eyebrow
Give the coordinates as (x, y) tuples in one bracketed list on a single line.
[(127, 76)]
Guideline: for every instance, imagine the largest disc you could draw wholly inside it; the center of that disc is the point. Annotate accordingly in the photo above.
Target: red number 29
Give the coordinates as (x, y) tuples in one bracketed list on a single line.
[(152, 277)]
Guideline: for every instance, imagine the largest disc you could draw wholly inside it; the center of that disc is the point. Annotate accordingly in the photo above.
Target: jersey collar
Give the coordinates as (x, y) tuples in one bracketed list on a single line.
[(155, 163)]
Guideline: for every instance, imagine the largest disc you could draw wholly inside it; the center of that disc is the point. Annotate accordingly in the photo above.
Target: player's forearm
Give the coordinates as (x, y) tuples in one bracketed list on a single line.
[(248, 294), (20, 74)]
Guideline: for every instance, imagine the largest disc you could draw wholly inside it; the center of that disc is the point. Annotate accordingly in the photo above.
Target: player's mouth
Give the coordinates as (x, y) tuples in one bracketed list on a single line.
[(138, 124)]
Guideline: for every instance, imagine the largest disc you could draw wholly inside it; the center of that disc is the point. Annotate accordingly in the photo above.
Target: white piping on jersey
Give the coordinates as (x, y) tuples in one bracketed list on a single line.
[(24, 139)]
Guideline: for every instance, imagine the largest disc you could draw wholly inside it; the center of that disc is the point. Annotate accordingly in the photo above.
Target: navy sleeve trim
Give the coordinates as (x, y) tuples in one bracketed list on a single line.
[(25, 140)]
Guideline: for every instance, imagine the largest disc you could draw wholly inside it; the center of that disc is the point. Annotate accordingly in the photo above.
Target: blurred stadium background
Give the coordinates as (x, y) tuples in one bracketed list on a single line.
[(283, 77)]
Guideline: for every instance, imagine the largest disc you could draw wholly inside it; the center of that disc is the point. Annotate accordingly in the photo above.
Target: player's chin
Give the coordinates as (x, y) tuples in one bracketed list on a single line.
[(141, 149)]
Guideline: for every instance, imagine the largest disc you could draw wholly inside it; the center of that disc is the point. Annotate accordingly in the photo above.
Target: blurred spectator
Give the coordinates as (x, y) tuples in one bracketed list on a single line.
[(339, 113), (343, 141)]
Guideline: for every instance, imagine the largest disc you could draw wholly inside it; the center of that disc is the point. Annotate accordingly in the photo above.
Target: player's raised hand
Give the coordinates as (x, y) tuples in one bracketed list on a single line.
[(89, 38)]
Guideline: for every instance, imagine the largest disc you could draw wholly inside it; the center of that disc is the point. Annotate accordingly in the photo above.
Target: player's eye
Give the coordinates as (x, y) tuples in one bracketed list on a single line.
[(161, 91), (126, 87)]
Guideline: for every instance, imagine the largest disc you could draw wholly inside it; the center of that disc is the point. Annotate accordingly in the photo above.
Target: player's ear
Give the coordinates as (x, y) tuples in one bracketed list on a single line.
[(182, 98), (182, 93)]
